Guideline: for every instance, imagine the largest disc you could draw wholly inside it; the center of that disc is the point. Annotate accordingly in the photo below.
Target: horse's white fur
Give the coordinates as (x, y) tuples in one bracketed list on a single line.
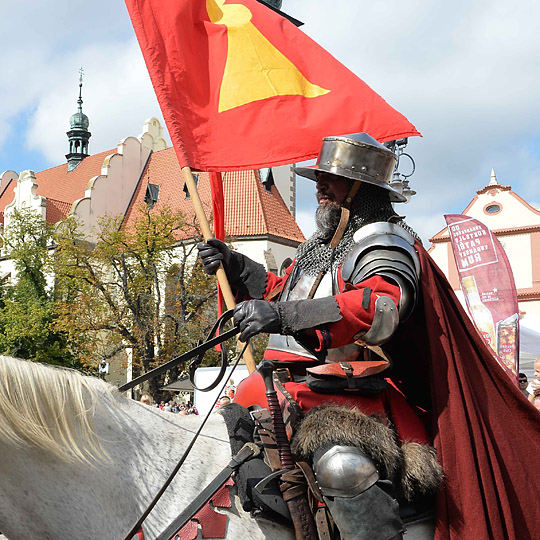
[(78, 460)]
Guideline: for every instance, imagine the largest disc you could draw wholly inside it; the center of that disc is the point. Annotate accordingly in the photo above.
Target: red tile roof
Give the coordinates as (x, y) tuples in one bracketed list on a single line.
[(60, 187), (249, 209), (57, 210)]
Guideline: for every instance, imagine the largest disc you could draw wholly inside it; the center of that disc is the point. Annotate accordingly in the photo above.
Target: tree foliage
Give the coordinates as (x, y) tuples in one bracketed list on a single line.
[(27, 314), (140, 289)]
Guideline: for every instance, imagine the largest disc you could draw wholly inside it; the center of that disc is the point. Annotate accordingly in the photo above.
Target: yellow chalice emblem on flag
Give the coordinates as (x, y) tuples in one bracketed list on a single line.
[(255, 69)]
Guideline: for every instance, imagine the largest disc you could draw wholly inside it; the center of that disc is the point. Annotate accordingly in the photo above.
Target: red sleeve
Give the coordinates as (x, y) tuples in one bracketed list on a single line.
[(355, 317)]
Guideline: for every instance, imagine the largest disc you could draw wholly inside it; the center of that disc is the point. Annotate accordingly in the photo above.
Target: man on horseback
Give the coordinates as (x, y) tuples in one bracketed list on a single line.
[(350, 286), (364, 321)]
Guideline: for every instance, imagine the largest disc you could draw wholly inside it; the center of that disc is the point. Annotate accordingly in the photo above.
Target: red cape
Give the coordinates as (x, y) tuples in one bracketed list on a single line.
[(486, 433)]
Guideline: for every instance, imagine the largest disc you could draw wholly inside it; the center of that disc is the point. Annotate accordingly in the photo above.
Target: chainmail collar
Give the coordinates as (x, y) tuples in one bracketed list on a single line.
[(370, 205)]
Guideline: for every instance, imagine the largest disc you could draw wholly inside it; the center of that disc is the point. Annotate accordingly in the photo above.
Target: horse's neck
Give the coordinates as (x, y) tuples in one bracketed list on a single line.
[(47, 497), (155, 441), (152, 445)]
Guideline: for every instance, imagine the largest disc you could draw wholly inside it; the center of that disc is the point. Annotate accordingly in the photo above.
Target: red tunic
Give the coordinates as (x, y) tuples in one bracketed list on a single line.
[(486, 433), (389, 404)]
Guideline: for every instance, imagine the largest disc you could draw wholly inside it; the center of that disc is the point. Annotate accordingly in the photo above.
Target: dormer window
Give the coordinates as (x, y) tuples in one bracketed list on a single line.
[(152, 195), (186, 190)]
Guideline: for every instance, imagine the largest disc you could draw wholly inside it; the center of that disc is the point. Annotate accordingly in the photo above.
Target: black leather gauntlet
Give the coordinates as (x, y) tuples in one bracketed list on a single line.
[(245, 275), (288, 318)]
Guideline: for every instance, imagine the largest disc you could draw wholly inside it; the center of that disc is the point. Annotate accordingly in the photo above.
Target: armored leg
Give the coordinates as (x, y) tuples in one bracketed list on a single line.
[(360, 503)]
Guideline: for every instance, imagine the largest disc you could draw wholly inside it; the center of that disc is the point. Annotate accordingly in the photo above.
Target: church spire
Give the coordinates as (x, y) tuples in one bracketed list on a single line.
[(78, 135)]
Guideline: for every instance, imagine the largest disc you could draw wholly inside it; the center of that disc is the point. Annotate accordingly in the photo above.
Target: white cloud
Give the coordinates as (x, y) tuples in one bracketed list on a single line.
[(117, 96), (461, 72)]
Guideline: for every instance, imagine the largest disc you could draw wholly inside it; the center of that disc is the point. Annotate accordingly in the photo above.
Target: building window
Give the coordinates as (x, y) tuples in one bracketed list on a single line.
[(492, 209), (186, 190), (152, 195), (284, 265)]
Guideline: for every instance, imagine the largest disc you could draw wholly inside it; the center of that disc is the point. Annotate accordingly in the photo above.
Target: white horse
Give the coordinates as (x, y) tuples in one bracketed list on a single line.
[(78, 460)]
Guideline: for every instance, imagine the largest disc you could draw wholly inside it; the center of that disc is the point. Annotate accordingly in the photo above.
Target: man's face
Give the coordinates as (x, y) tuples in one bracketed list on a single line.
[(523, 382), (331, 188)]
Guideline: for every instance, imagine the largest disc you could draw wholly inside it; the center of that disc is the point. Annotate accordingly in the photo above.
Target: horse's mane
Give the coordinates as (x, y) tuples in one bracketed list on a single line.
[(50, 408)]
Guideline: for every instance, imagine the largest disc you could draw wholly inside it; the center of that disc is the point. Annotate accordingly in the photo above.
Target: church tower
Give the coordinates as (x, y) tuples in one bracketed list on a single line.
[(78, 135)]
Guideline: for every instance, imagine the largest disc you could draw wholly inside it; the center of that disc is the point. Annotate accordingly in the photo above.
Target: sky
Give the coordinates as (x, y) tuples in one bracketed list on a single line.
[(465, 73)]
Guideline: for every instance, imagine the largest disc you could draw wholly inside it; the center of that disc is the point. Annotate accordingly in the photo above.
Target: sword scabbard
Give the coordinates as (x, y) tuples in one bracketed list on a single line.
[(292, 483)]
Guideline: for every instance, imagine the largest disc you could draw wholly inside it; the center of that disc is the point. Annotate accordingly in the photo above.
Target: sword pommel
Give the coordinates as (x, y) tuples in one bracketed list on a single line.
[(266, 369)]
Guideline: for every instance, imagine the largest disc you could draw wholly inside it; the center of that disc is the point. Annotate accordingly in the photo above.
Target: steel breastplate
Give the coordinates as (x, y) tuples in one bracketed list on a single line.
[(300, 291)]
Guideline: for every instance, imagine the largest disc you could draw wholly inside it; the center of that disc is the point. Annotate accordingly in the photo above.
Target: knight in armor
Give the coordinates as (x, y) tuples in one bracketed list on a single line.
[(365, 323), (350, 287)]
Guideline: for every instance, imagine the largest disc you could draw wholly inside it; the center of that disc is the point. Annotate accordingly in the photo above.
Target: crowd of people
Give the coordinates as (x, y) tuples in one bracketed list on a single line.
[(170, 406), (178, 407)]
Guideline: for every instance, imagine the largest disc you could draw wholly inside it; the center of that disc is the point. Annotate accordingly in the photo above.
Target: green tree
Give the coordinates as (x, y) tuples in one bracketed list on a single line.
[(140, 289), (27, 326)]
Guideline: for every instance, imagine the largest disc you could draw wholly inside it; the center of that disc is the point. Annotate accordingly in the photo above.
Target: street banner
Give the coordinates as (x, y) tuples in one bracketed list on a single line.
[(242, 88), (488, 286)]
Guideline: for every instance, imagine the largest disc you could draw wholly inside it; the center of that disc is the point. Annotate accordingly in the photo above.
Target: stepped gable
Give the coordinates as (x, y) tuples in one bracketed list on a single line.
[(249, 209), (58, 184), (61, 188)]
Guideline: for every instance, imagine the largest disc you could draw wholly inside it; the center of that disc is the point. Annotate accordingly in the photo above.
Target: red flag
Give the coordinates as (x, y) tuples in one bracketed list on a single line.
[(240, 87), (488, 285)]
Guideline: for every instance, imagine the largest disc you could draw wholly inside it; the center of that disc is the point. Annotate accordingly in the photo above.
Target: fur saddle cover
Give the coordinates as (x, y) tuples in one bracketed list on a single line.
[(413, 468)]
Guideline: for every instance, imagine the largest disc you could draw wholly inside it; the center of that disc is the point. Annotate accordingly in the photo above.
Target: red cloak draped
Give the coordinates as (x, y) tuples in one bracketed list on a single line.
[(486, 433)]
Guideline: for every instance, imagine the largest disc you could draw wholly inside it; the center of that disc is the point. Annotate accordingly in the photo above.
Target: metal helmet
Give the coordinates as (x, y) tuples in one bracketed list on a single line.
[(359, 157)]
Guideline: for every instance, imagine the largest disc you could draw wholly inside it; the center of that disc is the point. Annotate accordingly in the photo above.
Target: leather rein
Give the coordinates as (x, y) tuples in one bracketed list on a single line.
[(215, 337)]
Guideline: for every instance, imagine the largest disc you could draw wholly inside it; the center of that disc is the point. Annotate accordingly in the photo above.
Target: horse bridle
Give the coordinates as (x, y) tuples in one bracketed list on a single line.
[(215, 337)]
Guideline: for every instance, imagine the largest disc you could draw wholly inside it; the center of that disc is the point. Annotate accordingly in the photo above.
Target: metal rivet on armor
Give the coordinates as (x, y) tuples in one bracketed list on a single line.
[(352, 167), (363, 168)]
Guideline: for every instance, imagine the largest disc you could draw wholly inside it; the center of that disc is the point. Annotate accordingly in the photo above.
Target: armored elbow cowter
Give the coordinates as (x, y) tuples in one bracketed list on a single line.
[(387, 250)]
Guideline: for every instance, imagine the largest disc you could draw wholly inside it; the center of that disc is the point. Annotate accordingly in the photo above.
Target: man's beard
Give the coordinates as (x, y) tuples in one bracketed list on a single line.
[(327, 219)]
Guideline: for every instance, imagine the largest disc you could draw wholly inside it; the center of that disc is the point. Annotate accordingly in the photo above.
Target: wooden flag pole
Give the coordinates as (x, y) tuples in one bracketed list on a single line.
[(220, 274)]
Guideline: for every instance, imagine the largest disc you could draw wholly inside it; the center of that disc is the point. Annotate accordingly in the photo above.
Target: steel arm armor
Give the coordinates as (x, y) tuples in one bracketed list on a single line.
[(387, 250)]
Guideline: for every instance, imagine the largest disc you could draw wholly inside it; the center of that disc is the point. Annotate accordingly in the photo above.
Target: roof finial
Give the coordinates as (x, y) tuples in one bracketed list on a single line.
[(78, 135), (80, 101), (493, 180)]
